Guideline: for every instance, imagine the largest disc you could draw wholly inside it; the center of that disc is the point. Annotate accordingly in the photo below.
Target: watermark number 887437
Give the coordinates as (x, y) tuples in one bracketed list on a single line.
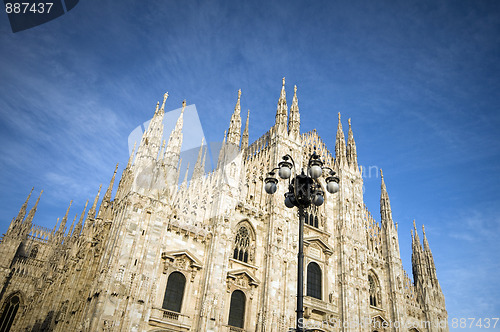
[(468, 323), (26, 7)]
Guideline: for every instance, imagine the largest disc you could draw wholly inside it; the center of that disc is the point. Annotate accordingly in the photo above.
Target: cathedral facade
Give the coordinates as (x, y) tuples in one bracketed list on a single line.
[(217, 253)]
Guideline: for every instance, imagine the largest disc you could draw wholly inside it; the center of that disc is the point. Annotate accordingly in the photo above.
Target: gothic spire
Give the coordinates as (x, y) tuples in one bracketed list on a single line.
[(72, 226), (352, 157), (340, 155), (106, 200), (92, 210), (281, 111), (234, 132), (198, 170), (178, 173), (131, 157), (244, 137), (430, 259), (426, 243), (203, 161), (22, 211), (174, 144), (151, 139), (385, 203), (184, 183), (55, 226), (222, 150), (162, 150), (31, 214), (79, 225), (162, 109), (417, 239), (109, 191), (62, 226), (294, 120), (416, 257)]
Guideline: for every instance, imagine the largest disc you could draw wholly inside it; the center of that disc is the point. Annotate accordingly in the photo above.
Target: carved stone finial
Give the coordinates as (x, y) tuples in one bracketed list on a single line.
[(183, 106), (165, 96), (339, 116), (295, 89), (239, 94), (283, 81)]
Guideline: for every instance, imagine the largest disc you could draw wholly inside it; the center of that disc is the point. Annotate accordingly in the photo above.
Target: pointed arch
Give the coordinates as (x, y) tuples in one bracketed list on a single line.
[(244, 242), (311, 217), (375, 298), (10, 309), (34, 251)]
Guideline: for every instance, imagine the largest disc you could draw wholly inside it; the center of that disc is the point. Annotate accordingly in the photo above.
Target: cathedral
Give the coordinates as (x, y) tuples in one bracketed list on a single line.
[(217, 253)]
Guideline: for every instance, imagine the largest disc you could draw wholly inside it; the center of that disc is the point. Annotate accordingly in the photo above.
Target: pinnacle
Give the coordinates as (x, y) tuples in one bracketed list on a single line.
[(352, 157), (165, 96), (340, 146)]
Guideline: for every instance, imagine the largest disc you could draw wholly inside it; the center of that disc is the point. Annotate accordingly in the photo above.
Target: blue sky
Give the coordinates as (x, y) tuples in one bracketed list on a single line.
[(420, 80)]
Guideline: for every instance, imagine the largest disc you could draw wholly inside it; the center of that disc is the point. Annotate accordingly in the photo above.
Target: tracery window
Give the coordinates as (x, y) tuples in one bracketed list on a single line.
[(311, 219), (237, 309), (374, 290), (243, 244), (10, 308), (314, 280), (174, 292), (34, 252)]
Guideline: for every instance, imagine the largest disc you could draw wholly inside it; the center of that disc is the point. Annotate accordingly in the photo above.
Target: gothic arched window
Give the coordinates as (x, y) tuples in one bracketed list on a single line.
[(314, 280), (174, 292), (34, 252), (311, 217), (10, 308), (237, 309), (242, 244), (374, 290)]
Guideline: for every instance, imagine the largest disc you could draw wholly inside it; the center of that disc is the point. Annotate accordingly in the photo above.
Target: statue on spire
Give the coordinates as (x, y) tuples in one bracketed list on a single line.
[(165, 96)]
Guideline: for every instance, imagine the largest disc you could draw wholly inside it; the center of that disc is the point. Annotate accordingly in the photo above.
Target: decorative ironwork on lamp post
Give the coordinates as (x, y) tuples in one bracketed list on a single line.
[(303, 190)]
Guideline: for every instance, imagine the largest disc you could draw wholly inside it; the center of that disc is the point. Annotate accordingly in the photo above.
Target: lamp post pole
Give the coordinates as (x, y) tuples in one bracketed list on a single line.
[(303, 190), (300, 273)]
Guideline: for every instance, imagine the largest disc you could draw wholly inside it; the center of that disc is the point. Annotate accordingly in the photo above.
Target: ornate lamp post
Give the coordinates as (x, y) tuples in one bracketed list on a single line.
[(303, 190)]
